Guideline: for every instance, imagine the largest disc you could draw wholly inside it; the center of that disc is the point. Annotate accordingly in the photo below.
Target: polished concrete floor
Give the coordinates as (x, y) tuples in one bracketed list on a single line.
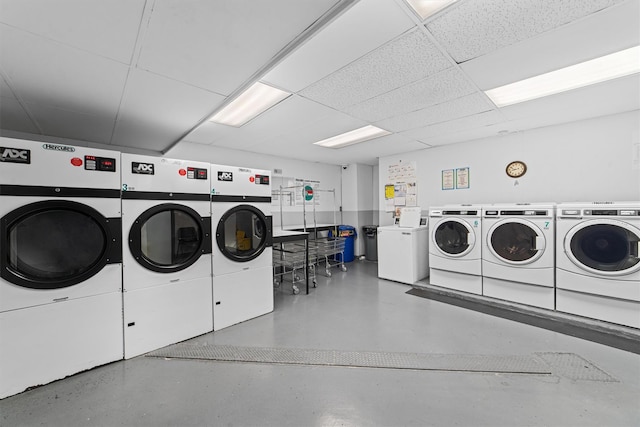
[(351, 311)]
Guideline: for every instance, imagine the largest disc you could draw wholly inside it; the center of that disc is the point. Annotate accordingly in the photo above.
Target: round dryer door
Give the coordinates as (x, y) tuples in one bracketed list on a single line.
[(169, 238), (454, 238), (606, 247), (516, 241), (243, 233), (55, 244)]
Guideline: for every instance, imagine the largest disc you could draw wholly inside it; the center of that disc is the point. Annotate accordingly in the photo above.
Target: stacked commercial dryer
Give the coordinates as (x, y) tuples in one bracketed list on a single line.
[(60, 262), (518, 260), (455, 252), (167, 258), (242, 247), (598, 263)]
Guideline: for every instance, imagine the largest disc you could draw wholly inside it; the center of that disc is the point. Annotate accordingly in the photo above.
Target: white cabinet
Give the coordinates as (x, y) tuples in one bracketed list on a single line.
[(403, 253)]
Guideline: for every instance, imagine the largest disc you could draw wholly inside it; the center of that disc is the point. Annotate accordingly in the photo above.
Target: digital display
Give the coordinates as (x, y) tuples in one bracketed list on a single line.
[(105, 164), (195, 173), (262, 179)]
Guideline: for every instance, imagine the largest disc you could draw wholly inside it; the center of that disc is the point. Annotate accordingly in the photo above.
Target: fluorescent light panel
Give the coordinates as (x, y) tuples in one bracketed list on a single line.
[(608, 67), (249, 104), (426, 8), (353, 137)]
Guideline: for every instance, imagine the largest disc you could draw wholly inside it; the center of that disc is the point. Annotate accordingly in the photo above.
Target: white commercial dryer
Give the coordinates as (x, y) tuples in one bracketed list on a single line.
[(455, 250), (598, 264), (518, 262), (60, 261), (242, 252), (167, 258)]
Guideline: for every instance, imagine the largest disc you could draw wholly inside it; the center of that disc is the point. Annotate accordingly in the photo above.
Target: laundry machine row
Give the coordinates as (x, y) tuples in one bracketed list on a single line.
[(106, 255), (578, 258)]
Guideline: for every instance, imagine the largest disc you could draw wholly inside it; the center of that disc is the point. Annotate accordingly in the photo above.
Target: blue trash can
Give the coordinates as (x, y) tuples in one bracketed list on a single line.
[(349, 233)]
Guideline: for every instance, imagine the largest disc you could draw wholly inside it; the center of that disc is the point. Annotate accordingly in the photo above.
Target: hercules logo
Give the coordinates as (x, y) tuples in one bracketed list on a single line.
[(15, 155)]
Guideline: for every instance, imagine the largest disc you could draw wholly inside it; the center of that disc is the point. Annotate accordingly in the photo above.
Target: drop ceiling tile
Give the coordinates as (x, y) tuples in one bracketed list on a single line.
[(315, 123), (603, 99), (366, 25), (63, 123), (45, 72), (450, 110), (156, 111), (108, 28), (444, 86), (617, 29), (379, 147), (405, 60), (14, 117), (475, 28), (431, 134), (218, 45)]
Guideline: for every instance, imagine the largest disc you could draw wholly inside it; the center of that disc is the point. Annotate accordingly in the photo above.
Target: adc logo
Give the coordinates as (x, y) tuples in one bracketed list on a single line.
[(142, 168), (225, 176), (15, 155)]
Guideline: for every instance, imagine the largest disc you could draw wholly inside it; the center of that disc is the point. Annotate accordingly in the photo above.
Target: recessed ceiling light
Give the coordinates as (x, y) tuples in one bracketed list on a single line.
[(426, 8), (608, 67), (249, 104), (353, 137)]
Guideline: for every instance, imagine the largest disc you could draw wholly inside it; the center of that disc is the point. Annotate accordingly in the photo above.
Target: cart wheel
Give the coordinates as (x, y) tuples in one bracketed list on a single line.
[(297, 278), (343, 267), (315, 282), (276, 283), (328, 273), (296, 291)]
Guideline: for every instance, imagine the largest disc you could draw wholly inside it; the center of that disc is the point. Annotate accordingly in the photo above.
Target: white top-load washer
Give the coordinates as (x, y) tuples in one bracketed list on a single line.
[(60, 261), (455, 250), (518, 260), (242, 244), (167, 258), (597, 261), (403, 249)]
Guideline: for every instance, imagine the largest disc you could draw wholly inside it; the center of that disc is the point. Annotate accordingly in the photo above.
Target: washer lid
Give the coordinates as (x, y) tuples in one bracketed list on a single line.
[(607, 247), (516, 241)]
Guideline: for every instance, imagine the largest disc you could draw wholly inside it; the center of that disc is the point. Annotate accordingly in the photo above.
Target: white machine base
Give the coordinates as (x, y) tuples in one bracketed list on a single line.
[(621, 289), (164, 315), (523, 293), (83, 333), (520, 274), (458, 281), (242, 296), (622, 312)]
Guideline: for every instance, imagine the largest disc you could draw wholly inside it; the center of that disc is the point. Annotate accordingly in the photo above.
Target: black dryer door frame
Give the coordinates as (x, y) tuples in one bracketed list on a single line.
[(203, 235), (265, 242), (29, 270)]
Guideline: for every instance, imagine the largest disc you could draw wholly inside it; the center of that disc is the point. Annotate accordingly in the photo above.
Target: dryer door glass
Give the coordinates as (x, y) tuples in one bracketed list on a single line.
[(243, 233), (606, 247), (514, 241), (168, 238), (53, 245), (452, 237)]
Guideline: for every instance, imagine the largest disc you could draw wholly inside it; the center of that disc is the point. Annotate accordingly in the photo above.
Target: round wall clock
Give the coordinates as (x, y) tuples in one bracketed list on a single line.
[(516, 169)]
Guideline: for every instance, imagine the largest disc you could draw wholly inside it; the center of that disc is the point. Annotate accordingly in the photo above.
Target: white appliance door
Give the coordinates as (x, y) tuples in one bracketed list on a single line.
[(454, 238), (515, 241), (605, 247), (242, 234)]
